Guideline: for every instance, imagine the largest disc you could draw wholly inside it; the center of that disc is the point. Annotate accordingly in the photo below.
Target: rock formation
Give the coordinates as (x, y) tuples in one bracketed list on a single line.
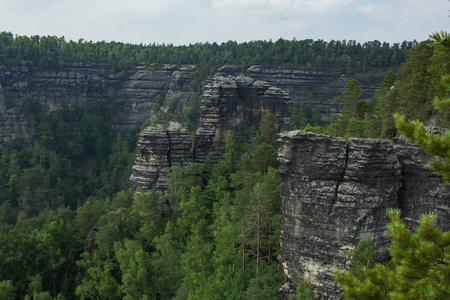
[(315, 89), (131, 95), (160, 146), (334, 193), (227, 103), (236, 103)]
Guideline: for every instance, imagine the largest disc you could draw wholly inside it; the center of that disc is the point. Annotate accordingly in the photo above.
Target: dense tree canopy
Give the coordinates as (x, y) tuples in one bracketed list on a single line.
[(420, 260), (222, 240), (410, 92), (70, 229), (51, 52)]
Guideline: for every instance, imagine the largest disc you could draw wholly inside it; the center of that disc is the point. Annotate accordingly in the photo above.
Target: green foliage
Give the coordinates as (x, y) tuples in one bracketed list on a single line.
[(166, 262), (410, 92), (135, 265), (7, 290), (75, 232), (51, 52), (420, 265), (265, 153), (420, 260), (302, 116), (265, 285), (348, 124), (349, 97), (73, 157), (363, 257), (304, 292), (190, 115), (433, 144), (44, 247)]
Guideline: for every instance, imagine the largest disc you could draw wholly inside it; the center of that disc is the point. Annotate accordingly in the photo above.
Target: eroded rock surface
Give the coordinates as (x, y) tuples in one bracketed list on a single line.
[(227, 103), (160, 146), (334, 193), (130, 95), (236, 103)]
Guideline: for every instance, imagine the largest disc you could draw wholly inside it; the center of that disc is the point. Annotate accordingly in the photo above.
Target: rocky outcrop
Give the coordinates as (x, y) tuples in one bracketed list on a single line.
[(421, 191), (227, 103), (129, 95), (160, 146), (139, 92), (334, 193), (312, 88), (236, 103)]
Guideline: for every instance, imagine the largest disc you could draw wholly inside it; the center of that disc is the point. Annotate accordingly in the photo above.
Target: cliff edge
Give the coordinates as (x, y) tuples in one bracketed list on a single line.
[(335, 192)]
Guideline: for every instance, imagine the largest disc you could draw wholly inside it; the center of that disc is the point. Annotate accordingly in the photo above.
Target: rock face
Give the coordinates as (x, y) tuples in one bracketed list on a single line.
[(236, 103), (160, 146), (315, 89), (227, 103), (421, 191), (130, 95), (335, 192)]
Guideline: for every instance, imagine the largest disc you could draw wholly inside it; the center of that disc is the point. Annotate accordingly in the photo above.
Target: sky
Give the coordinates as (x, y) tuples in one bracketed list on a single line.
[(182, 22)]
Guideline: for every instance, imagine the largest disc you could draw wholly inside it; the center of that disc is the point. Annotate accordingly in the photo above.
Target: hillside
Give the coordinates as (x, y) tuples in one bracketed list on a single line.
[(151, 170)]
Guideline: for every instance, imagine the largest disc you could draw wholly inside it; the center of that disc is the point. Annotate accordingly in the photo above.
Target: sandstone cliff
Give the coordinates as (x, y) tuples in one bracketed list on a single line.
[(335, 192), (160, 146), (131, 95), (315, 89), (227, 103), (236, 103)]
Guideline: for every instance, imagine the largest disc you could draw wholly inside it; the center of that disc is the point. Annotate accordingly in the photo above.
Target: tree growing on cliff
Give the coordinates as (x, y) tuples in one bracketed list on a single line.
[(349, 97), (348, 123), (435, 145), (421, 265), (421, 260)]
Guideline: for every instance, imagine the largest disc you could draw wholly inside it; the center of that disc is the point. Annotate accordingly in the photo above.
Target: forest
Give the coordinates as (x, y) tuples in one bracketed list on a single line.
[(51, 52), (69, 228)]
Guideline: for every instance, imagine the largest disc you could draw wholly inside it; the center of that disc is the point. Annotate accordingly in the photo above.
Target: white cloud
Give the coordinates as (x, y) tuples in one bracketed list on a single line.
[(318, 6), (232, 4), (183, 22)]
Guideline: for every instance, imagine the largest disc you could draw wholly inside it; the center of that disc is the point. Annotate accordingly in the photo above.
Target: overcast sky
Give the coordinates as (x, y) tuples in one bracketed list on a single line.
[(191, 21)]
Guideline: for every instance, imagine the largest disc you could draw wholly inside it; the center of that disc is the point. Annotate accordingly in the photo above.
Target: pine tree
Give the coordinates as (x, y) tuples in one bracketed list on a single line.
[(435, 145), (349, 97), (421, 265), (7, 290), (386, 104), (349, 100), (420, 260)]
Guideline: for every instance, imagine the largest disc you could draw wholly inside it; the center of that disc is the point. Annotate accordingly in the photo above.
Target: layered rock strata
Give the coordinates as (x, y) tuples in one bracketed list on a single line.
[(422, 191), (129, 95), (334, 193), (236, 103), (160, 146), (312, 88), (227, 103)]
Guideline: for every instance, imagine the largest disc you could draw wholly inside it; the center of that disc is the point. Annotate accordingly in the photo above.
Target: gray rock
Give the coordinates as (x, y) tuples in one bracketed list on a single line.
[(134, 92), (160, 146), (334, 193), (227, 103), (315, 89), (236, 103)]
